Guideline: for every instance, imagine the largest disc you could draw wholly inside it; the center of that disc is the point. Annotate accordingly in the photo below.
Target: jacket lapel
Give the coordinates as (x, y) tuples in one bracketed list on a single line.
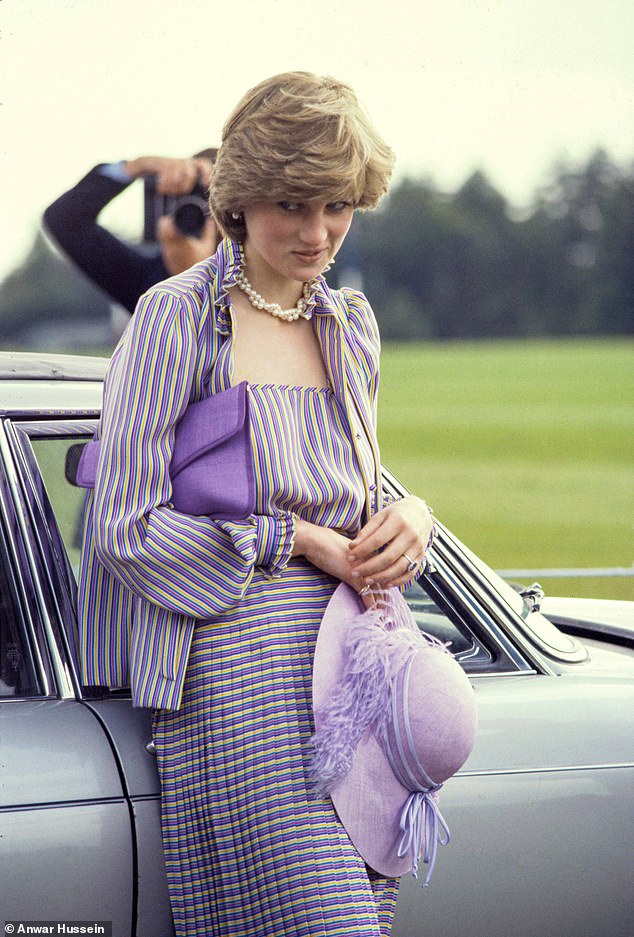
[(350, 384)]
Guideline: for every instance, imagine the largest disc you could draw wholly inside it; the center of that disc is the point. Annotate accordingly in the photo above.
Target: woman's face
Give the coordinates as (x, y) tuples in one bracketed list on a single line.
[(294, 240)]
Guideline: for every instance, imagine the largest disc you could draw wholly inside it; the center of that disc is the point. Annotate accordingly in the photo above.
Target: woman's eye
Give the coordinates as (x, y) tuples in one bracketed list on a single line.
[(289, 206), (338, 206)]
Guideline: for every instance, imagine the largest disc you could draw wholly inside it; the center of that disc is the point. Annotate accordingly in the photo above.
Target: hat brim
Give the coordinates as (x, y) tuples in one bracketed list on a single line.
[(369, 799)]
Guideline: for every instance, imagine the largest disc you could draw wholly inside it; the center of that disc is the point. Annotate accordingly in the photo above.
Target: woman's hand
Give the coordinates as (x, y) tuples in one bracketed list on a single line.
[(325, 548), (389, 549), (329, 551)]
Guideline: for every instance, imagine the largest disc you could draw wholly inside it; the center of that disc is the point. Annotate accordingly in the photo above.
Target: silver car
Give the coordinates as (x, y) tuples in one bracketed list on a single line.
[(540, 815)]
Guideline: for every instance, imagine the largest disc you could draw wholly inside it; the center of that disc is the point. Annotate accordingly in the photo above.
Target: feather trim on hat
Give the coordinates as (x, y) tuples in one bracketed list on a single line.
[(377, 645)]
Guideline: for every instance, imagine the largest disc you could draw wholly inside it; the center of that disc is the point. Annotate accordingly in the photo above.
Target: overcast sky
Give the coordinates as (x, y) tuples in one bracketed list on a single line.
[(508, 86)]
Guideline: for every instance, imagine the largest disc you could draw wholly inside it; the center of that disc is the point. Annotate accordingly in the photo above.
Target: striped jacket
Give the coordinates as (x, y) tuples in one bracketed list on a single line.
[(148, 572)]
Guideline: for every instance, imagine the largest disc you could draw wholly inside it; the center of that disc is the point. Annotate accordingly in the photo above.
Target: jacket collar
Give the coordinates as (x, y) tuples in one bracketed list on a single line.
[(228, 261)]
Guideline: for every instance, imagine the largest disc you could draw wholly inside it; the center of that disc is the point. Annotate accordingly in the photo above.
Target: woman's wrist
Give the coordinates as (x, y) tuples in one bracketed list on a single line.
[(302, 538)]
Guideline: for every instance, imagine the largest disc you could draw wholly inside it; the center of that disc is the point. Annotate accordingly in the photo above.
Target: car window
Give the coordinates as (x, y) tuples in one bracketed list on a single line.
[(55, 510), (67, 501), (443, 618), (431, 619), (18, 673), (56, 503)]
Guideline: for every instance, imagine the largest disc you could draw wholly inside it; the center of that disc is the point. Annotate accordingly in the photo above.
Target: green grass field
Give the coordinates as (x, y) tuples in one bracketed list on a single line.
[(525, 449)]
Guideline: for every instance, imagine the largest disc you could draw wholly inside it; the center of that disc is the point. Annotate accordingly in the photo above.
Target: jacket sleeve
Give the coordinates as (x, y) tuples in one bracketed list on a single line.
[(122, 270), (192, 565)]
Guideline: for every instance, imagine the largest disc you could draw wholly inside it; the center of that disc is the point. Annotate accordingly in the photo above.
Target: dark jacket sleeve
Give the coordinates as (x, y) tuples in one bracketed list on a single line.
[(124, 271)]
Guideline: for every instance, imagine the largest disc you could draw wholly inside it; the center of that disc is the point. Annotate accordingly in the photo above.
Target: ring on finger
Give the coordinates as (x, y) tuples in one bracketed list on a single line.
[(411, 564), (365, 589)]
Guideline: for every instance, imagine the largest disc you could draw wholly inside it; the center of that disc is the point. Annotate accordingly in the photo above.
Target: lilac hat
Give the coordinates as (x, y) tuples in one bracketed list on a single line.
[(395, 717)]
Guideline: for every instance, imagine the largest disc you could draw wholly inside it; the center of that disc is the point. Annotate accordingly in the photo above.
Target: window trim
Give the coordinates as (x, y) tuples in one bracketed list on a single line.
[(26, 585), (54, 585)]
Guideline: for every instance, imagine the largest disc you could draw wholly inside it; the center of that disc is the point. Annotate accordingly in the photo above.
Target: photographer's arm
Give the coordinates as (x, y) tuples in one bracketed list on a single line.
[(120, 269)]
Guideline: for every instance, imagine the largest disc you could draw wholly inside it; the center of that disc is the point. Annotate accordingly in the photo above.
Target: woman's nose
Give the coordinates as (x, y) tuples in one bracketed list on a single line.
[(314, 230)]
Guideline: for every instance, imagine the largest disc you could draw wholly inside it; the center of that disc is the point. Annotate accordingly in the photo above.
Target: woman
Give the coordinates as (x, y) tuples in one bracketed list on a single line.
[(213, 623)]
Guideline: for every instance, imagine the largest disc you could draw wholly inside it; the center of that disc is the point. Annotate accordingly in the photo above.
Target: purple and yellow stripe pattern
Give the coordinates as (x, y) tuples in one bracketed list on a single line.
[(147, 572), (313, 472), (249, 850), (213, 625)]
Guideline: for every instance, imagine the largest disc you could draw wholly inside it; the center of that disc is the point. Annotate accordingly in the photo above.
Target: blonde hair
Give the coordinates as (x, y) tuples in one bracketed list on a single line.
[(297, 136)]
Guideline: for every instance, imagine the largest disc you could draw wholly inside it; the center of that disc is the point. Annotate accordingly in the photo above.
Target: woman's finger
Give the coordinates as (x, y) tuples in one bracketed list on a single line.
[(387, 571)]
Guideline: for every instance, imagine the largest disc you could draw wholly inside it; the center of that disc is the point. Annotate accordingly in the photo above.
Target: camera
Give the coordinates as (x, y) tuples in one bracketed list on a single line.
[(188, 211)]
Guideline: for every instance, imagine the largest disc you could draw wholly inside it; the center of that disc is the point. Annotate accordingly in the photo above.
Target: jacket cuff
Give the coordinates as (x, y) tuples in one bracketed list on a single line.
[(116, 171), (274, 541)]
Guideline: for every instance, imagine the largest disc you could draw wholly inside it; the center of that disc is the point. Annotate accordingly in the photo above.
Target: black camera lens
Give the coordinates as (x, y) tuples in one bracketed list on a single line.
[(189, 219)]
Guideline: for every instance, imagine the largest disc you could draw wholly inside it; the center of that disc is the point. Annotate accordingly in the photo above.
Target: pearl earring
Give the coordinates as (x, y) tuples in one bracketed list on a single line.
[(236, 215)]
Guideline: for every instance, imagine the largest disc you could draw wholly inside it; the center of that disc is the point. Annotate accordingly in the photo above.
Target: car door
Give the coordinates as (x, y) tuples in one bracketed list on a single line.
[(541, 813), (79, 814)]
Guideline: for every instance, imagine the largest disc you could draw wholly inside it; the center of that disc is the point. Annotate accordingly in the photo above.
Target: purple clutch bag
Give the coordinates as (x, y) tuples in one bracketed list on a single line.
[(212, 469)]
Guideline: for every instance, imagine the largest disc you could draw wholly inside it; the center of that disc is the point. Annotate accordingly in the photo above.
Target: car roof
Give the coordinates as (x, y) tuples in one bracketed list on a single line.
[(34, 384), (33, 366)]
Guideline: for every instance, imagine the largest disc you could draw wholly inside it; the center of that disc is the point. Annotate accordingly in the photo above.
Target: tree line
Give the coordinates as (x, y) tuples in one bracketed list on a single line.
[(464, 265), (434, 265)]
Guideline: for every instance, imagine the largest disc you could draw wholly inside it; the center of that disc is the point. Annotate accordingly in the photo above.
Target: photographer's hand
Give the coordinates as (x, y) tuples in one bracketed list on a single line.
[(179, 251), (173, 176)]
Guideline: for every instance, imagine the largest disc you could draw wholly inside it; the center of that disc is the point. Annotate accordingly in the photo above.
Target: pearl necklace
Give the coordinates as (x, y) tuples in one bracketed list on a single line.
[(274, 309)]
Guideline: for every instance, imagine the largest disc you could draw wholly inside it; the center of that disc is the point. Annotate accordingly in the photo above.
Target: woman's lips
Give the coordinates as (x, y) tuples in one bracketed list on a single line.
[(310, 257)]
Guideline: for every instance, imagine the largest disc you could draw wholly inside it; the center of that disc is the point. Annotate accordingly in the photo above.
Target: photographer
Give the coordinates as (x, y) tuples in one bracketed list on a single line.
[(121, 269)]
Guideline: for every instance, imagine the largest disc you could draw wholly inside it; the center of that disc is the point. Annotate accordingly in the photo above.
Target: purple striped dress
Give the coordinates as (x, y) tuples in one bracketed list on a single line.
[(250, 852)]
